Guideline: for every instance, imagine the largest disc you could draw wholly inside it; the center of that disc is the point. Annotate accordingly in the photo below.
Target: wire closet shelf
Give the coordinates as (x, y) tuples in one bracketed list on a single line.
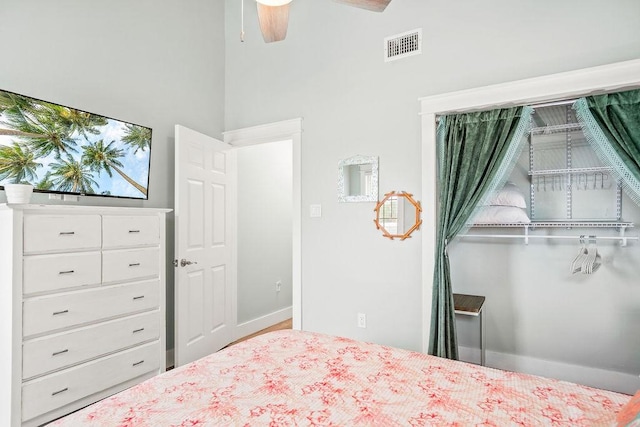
[(527, 227)]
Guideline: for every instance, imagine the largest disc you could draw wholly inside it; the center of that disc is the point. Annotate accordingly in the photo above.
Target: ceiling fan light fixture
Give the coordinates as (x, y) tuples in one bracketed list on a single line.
[(273, 16), (274, 2)]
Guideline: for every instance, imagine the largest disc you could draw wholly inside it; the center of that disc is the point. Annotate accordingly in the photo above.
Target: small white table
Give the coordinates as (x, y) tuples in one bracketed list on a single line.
[(471, 305)]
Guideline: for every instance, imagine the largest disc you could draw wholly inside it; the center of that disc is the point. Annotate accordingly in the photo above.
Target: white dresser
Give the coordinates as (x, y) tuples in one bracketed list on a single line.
[(82, 306)]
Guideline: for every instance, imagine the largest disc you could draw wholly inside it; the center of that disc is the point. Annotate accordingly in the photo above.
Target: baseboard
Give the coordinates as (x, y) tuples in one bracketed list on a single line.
[(255, 325), (593, 377)]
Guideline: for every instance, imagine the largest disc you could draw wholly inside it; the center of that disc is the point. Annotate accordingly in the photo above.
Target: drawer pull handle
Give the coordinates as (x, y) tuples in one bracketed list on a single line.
[(67, 272), (136, 264), (67, 233), (138, 297), (134, 231), (60, 391), (138, 363), (135, 331), (66, 350), (55, 313)]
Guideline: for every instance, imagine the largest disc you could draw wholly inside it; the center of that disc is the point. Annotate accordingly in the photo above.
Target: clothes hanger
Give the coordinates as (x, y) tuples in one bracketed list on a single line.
[(593, 257), (576, 264), (586, 262)]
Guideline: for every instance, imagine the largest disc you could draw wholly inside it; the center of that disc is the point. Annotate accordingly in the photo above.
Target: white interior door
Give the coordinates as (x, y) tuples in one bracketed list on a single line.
[(204, 244)]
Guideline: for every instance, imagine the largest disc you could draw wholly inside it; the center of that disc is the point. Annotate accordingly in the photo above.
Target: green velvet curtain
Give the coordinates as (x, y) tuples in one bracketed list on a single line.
[(611, 123), (476, 151)]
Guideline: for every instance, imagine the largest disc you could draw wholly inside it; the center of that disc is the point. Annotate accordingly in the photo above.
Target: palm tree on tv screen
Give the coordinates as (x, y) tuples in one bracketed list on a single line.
[(46, 127), (17, 163), (13, 101), (70, 175), (39, 127), (98, 156), (137, 137), (46, 183), (80, 121)]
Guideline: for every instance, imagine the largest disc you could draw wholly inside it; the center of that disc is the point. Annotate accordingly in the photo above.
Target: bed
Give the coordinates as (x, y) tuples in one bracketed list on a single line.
[(295, 378)]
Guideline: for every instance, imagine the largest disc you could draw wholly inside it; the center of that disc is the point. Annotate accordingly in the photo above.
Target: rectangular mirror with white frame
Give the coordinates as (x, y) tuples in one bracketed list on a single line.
[(358, 179)]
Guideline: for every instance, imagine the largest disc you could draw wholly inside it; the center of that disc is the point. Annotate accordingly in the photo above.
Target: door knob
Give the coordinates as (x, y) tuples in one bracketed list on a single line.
[(184, 262)]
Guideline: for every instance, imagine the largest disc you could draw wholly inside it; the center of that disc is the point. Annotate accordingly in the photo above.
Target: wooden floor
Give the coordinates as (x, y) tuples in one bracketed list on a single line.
[(287, 324)]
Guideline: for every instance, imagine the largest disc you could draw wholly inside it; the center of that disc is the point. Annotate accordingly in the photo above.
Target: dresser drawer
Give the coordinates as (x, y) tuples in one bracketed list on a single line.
[(42, 273), (121, 231), (64, 310), (57, 233), (53, 391), (53, 352), (130, 264)]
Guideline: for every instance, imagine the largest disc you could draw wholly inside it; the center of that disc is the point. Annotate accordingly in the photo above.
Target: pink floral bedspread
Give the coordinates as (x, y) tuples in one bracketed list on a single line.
[(293, 378)]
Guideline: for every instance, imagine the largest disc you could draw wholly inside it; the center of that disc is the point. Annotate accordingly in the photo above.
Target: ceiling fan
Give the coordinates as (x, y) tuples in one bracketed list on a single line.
[(274, 15)]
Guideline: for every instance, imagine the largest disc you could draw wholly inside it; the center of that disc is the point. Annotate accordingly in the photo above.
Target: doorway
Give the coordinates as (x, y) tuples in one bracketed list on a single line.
[(264, 236), (287, 130)]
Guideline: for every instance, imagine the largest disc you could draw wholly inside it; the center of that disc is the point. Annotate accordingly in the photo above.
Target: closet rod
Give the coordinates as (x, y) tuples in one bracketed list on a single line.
[(623, 239)]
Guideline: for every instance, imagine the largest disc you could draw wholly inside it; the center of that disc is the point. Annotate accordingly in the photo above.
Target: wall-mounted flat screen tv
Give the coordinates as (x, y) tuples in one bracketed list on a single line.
[(60, 149)]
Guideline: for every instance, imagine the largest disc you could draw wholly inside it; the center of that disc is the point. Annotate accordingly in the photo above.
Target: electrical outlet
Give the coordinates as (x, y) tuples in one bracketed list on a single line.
[(362, 320), (278, 286)]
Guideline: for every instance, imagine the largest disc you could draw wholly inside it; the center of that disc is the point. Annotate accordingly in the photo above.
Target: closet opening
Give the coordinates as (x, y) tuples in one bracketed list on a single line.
[(541, 317)]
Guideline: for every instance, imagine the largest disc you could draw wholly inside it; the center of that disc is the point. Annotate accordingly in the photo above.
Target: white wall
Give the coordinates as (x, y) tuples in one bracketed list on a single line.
[(264, 229), (147, 62), (330, 71)]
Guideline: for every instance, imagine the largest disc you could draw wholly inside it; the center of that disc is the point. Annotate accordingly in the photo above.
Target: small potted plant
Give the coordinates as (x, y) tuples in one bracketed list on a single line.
[(18, 192)]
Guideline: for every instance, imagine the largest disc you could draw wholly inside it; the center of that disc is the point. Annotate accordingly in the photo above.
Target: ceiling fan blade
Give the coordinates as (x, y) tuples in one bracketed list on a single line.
[(373, 5), (273, 22)]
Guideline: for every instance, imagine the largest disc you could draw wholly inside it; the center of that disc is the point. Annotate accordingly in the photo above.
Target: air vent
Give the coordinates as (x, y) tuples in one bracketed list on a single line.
[(403, 45)]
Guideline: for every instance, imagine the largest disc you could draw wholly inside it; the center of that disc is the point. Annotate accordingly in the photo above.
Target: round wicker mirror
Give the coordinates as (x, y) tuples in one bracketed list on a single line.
[(398, 215)]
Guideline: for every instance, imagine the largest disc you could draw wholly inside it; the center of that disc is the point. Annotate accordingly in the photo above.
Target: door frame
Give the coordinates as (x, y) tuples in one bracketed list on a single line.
[(274, 132), (553, 87)]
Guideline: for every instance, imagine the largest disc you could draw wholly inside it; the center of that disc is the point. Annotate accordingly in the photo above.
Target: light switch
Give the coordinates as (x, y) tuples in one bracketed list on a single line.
[(315, 211)]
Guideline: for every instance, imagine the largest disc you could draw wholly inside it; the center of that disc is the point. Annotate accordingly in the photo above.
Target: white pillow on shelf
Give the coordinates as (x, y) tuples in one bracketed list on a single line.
[(509, 195), (501, 215)]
